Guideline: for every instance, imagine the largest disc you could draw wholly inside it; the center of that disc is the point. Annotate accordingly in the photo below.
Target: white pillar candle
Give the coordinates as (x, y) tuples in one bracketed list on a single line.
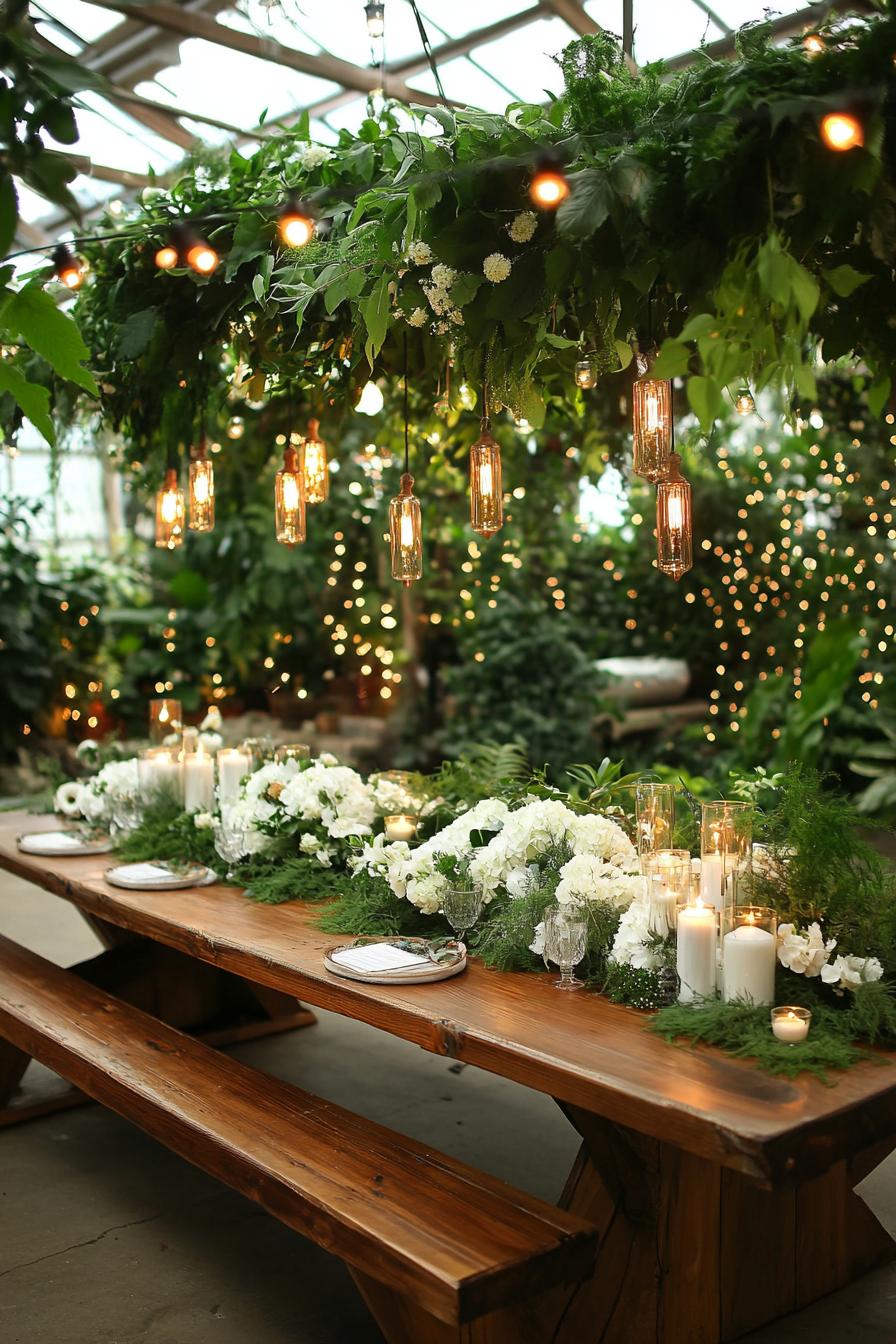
[(233, 765), (663, 904), (401, 827), (696, 955), (199, 782), (791, 1024), (748, 964), (711, 880)]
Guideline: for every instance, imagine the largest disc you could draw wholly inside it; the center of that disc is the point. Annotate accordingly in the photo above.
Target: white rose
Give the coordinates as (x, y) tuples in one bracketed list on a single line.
[(496, 268), (203, 821)]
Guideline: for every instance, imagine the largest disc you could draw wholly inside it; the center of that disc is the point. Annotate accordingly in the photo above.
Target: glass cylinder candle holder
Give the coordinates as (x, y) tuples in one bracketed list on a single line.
[(790, 1023), (292, 751), (233, 766), (166, 721), (726, 837), (696, 949), (401, 826), (652, 427), (406, 534), (655, 815), (486, 489), (159, 774), (259, 749), (315, 467), (749, 954), (667, 873)]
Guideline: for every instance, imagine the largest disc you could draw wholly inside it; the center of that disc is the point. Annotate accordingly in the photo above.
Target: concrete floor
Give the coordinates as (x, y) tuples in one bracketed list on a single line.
[(107, 1238)]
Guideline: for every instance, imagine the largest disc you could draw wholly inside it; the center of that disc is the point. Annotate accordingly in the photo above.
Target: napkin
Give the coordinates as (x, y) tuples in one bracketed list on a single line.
[(144, 872), (375, 957)]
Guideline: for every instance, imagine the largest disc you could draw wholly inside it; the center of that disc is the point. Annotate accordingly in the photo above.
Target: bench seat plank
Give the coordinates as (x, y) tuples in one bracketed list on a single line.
[(457, 1242)]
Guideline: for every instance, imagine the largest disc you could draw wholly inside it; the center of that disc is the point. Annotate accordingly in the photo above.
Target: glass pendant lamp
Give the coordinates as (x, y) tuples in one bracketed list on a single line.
[(651, 426), (289, 498), (486, 490), (202, 491), (170, 512), (315, 468), (673, 522)]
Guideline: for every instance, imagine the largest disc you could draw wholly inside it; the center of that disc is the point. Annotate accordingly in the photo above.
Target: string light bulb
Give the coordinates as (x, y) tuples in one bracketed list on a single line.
[(167, 257), (201, 491), (813, 44), (549, 185), (651, 426), (486, 489), (375, 12), (202, 257), (406, 533), (315, 467), (289, 498), (842, 130), (170, 512), (674, 545), (295, 223), (68, 269), (744, 403)]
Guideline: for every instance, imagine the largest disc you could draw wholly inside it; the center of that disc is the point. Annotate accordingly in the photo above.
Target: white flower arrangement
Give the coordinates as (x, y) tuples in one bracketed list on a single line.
[(334, 795), (810, 955), (522, 227), (94, 799), (634, 944), (532, 830), (589, 878), (419, 254), (312, 156), (496, 268)]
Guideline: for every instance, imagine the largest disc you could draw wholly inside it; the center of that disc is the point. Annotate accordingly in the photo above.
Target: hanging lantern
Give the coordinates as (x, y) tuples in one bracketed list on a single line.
[(651, 427), (406, 533), (486, 491), (202, 491), (315, 467), (673, 522), (744, 403), (170, 512), (375, 12), (289, 499), (585, 374), (68, 269)]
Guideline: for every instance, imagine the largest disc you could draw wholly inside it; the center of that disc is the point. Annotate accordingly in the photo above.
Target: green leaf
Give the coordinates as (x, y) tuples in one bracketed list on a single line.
[(50, 332), (844, 279), (251, 237), (558, 342), (190, 589), (705, 397), (879, 394), (672, 360), (701, 324), (9, 212), (136, 333), (262, 278), (587, 205), (774, 273), (805, 288), (33, 399), (465, 288), (375, 315), (625, 352)]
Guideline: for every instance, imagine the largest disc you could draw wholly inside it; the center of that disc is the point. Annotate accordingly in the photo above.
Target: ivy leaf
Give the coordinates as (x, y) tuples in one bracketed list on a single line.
[(705, 397), (878, 394), (136, 333), (375, 314), (587, 205), (50, 332), (672, 360), (844, 279), (32, 398)]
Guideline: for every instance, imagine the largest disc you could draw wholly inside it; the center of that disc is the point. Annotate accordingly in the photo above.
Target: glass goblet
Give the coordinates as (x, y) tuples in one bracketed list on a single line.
[(564, 943), (230, 843), (127, 813), (462, 906)]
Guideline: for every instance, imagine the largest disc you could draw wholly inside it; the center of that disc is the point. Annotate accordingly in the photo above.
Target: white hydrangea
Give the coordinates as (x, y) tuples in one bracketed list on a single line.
[(443, 277), (496, 268), (213, 722), (631, 946), (850, 972), (312, 156), (244, 815), (523, 226), (419, 254), (334, 795), (538, 826), (804, 953), (589, 878), (118, 779), (203, 821), (263, 788), (417, 318)]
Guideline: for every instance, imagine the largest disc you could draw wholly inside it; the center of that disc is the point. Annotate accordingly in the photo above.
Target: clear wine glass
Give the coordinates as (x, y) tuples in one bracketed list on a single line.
[(127, 813), (564, 942), (462, 906), (230, 843)]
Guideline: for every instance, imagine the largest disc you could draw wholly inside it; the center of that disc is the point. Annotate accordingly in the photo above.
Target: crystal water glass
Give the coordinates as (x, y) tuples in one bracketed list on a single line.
[(230, 843), (127, 813), (462, 906), (565, 932)]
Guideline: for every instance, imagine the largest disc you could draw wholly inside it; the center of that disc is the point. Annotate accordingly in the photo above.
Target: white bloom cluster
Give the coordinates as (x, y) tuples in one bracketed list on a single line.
[(496, 268), (631, 946), (419, 254), (523, 226), (443, 277), (312, 156), (417, 318), (94, 799), (334, 795), (810, 955), (392, 796), (533, 829), (589, 878)]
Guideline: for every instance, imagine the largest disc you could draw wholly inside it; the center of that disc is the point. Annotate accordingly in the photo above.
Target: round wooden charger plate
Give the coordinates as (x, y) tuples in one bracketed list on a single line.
[(35, 842), (425, 975), (197, 876)]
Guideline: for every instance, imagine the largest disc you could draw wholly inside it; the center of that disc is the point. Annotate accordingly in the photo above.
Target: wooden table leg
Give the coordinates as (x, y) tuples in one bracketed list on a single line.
[(693, 1253)]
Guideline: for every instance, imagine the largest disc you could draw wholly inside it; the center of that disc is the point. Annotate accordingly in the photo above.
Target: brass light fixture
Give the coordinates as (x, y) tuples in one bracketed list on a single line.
[(315, 467), (673, 522)]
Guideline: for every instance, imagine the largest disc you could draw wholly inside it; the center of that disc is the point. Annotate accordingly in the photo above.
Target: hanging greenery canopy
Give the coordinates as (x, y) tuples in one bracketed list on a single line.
[(707, 212)]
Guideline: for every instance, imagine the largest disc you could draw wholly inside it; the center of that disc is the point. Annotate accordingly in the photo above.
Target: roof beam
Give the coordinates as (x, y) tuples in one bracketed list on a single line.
[(787, 25), (571, 12), (120, 176), (321, 65)]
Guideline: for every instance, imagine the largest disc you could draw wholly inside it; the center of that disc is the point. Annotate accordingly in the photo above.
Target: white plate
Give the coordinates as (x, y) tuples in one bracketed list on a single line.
[(422, 974), (158, 877), (62, 844)]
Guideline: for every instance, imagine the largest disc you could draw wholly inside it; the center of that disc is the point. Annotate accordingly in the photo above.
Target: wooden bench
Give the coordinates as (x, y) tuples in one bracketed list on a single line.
[(454, 1243)]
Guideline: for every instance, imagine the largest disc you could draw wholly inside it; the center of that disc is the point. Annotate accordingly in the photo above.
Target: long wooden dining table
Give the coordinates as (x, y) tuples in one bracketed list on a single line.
[(722, 1197)]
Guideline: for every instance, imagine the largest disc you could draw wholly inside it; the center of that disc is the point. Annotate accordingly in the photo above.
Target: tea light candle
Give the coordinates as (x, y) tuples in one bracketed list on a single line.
[(199, 781), (791, 1024), (696, 952), (233, 765), (748, 964), (400, 827)]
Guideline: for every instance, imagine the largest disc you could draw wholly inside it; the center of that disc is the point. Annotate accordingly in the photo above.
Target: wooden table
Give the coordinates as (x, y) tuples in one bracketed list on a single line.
[(723, 1197)]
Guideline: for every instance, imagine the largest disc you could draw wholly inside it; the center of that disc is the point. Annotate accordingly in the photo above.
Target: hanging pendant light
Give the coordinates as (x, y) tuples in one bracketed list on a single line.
[(202, 490), (585, 373), (289, 498), (170, 512), (651, 425), (405, 514), (295, 223), (375, 13), (486, 489), (315, 467), (744, 403), (673, 522), (68, 269)]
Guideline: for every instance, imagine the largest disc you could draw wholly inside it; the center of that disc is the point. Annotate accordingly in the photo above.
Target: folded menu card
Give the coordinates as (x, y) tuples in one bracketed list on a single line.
[(53, 842), (378, 957)]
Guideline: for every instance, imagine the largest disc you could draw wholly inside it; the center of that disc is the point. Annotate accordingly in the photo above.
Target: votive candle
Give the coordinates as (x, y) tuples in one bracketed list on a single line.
[(791, 1023), (400, 827)]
